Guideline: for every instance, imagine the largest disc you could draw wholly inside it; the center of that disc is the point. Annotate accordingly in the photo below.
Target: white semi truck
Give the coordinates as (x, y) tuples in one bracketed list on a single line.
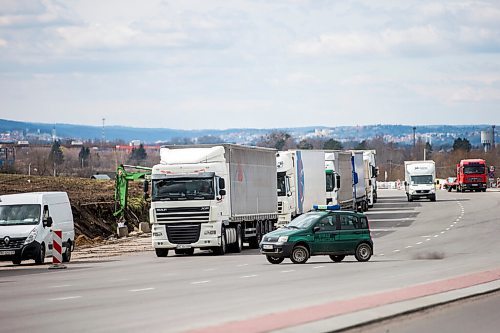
[(360, 178), (212, 197), (371, 173), (420, 177), (301, 182)]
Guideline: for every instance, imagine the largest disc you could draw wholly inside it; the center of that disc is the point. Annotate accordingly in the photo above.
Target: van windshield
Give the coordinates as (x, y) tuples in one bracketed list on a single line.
[(19, 214), (421, 180)]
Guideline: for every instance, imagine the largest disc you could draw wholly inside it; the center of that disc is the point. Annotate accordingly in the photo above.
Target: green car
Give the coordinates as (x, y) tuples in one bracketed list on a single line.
[(320, 232)]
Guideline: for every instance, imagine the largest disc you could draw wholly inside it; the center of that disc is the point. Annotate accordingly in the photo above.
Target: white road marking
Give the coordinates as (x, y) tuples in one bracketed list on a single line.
[(318, 266), (396, 251), (419, 243), (289, 271), (447, 228), (241, 265), (248, 276), (64, 298), (408, 247), (61, 286), (442, 232), (209, 269), (142, 289), (426, 236), (436, 236), (200, 282), (381, 254), (428, 239), (452, 225)]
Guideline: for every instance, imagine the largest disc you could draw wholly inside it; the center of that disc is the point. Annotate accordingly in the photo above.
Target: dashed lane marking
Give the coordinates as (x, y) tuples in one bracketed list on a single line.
[(289, 271), (64, 298), (241, 265), (318, 267), (248, 276), (61, 286), (418, 243), (200, 282), (139, 290)]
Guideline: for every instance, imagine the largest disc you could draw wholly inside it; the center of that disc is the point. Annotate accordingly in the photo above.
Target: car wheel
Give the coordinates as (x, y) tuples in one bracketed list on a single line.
[(66, 257), (300, 255), (337, 258), (161, 252), (40, 255), (410, 198), (275, 260), (433, 198), (363, 252)]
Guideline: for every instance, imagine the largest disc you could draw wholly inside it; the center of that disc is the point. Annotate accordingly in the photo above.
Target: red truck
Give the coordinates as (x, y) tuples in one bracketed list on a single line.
[(472, 175)]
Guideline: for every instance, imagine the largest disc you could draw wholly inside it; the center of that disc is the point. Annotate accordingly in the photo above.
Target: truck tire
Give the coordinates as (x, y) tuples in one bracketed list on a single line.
[(337, 258), (66, 257), (433, 198), (300, 254), (161, 252), (16, 261), (410, 198), (222, 249), (363, 252), (238, 246), (255, 241), (275, 260), (40, 255)]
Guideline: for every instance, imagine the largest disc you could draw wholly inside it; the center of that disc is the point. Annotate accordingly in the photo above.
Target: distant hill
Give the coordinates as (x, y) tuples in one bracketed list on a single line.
[(437, 134)]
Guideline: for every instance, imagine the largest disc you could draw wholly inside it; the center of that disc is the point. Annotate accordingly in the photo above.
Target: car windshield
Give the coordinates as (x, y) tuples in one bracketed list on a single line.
[(19, 214), (304, 221), (421, 180), (183, 189), (474, 169)]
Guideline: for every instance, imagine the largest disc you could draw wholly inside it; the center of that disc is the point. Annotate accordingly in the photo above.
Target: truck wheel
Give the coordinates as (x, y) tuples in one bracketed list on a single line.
[(410, 198), (238, 246), (40, 255), (161, 252), (222, 249), (255, 241), (300, 254), (484, 190), (275, 260), (337, 258), (363, 252), (16, 261), (66, 257)]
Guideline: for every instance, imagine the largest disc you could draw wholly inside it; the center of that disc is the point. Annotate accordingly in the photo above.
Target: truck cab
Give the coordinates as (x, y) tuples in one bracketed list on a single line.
[(420, 177), (472, 175)]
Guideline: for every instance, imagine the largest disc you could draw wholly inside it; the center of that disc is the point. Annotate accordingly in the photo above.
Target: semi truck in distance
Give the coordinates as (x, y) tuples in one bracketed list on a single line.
[(212, 197), (332, 179), (360, 178), (420, 177), (471, 175), (301, 182)]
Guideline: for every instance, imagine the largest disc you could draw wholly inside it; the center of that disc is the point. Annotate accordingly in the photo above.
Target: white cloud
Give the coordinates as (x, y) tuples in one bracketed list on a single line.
[(3, 42)]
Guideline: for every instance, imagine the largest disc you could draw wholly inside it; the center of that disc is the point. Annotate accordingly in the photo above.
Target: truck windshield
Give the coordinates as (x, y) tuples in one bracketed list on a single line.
[(281, 184), (330, 182), (183, 189), (304, 221), (19, 214), (474, 169), (421, 180)]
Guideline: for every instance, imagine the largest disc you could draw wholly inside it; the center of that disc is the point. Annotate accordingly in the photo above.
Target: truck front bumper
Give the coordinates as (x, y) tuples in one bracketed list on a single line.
[(473, 186), (208, 236)]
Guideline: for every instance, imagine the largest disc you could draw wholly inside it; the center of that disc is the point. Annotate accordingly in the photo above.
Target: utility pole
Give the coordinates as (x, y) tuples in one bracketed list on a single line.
[(103, 137)]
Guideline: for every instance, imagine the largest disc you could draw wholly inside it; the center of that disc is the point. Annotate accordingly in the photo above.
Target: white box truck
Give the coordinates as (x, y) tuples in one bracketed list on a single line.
[(212, 197), (26, 223), (420, 177), (301, 182)]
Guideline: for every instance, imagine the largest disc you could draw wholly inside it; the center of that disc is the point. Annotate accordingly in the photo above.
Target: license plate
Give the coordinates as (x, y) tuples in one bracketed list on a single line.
[(183, 246), (7, 253), (474, 184), (267, 247)]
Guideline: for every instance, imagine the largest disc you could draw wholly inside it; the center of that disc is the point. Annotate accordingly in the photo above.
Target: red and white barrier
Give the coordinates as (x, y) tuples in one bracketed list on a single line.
[(57, 249)]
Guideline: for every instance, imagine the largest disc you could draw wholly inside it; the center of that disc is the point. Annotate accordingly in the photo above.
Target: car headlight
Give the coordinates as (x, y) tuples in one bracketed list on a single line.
[(31, 236), (282, 239)]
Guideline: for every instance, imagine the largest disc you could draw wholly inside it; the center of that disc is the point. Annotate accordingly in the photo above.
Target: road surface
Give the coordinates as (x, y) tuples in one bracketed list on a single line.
[(421, 249)]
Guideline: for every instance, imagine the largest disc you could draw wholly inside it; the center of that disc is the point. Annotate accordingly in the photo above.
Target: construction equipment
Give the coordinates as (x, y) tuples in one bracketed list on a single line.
[(121, 185)]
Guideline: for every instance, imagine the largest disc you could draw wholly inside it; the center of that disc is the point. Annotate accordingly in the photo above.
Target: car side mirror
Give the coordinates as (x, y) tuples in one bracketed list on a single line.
[(222, 192), (48, 222), (316, 229)]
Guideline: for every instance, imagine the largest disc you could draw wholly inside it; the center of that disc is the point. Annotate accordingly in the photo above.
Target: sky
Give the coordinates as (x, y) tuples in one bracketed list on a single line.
[(198, 64)]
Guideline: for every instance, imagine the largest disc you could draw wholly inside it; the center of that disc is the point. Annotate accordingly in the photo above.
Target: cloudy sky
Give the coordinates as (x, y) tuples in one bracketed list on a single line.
[(193, 64)]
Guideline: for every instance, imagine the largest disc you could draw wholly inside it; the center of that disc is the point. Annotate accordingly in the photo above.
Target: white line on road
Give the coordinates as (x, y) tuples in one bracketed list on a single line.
[(428, 239), (209, 269), (142, 289), (396, 251), (442, 232), (381, 254), (241, 265), (64, 298), (200, 282), (408, 247), (318, 266), (452, 225), (436, 236), (289, 271), (419, 243), (61, 286), (447, 228), (248, 276)]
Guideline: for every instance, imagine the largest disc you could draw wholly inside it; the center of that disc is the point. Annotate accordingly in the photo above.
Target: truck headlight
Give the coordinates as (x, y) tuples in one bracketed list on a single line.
[(282, 239), (31, 236)]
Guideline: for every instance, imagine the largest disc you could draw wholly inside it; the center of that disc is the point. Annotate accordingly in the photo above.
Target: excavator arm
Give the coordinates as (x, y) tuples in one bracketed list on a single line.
[(121, 185)]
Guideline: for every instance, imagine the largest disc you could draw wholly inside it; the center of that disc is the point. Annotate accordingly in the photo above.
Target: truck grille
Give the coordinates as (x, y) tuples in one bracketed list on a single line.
[(280, 207), (183, 234), (13, 243), (183, 214), (473, 180)]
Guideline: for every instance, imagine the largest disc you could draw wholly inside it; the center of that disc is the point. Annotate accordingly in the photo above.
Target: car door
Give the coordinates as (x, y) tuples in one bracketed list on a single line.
[(326, 236), (349, 234)]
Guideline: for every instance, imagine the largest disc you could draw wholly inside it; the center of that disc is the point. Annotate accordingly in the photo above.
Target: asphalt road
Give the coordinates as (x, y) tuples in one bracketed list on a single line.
[(415, 243)]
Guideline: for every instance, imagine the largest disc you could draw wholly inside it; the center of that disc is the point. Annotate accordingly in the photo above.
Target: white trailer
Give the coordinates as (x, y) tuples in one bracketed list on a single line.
[(301, 182), (420, 177), (359, 177), (212, 197), (371, 173)]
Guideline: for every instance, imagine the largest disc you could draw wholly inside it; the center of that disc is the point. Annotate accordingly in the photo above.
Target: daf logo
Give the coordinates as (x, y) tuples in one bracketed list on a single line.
[(205, 208), (6, 240)]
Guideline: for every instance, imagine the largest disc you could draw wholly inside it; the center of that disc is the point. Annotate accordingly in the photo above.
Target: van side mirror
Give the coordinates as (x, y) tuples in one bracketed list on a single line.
[(222, 192), (48, 222), (222, 184), (316, 229)]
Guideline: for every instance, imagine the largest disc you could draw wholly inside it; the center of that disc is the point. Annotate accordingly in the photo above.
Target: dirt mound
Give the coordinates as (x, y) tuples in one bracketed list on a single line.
[(92, 201)]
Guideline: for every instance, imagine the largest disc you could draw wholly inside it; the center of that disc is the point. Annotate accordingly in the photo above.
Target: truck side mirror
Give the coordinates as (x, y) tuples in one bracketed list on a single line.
[(48, 222), (222, 184), (222, 192), (406, 183), (369, 182), (337, 183)]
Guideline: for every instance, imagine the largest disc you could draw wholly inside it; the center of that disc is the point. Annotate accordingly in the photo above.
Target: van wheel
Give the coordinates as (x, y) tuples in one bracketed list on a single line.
[(161, 252), (40, 255), (300, 254), (363, 252), (67, 254), (16, 261), (275, 260), (337, 258)]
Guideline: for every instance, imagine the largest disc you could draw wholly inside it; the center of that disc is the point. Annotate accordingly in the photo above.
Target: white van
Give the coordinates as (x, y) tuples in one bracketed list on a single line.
[(26, 223)]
